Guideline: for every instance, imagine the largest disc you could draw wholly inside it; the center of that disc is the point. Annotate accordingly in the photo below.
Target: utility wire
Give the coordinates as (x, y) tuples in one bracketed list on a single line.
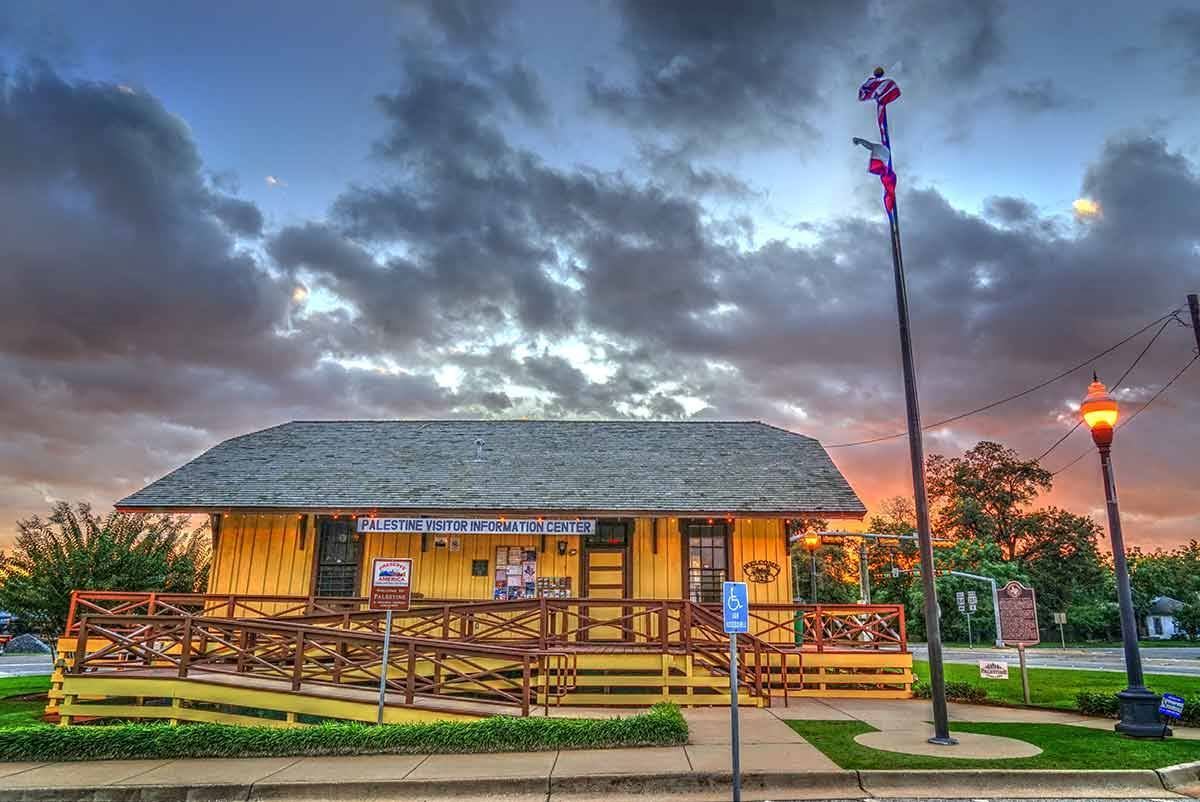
[(1129, 420), (1116, 386), (1014, 396)]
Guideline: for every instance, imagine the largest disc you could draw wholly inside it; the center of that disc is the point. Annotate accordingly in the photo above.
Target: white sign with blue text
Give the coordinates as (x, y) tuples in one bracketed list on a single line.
[(736, 604), (480, 526), (1171, 705)]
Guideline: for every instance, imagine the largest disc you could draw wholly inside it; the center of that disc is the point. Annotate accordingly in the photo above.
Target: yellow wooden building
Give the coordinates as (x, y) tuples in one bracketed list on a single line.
[(665, 510), (553, 563)]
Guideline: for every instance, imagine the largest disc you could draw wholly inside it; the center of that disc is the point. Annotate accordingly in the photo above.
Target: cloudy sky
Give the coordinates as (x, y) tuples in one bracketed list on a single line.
[(218, 217)]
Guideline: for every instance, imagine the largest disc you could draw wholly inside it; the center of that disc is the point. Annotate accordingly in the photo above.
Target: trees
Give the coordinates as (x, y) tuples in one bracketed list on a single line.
[(74, 548), (983, 493)]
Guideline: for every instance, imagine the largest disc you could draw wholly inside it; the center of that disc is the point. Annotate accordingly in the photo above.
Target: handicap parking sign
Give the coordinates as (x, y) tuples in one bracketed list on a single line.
[(735, 601)]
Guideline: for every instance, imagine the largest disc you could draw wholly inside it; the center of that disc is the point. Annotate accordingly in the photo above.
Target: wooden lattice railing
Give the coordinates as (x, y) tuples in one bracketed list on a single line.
[(659, 623), (304, 656)]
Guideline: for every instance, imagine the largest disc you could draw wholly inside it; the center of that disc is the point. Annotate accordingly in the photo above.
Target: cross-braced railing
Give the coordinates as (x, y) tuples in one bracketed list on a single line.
[(305, 656)]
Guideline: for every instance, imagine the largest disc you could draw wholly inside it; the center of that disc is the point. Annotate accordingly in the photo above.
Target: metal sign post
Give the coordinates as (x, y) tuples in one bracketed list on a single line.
[(383, 666), (736, 606), (391, 589), (1060, 619)]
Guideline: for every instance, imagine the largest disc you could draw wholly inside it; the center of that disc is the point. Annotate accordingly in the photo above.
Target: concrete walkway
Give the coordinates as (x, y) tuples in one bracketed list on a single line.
[(776, 763)]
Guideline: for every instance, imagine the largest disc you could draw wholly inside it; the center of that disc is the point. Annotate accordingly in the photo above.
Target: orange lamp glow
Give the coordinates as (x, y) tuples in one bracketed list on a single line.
[(1099, 409), (812, 541)]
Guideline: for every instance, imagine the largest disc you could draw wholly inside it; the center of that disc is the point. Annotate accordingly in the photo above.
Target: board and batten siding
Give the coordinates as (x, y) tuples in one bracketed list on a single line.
[(261, 555), (439, 573)]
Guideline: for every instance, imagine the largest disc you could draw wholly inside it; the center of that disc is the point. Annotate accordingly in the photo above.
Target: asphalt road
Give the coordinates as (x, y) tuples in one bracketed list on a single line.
[(1183, 660), (20, 665)]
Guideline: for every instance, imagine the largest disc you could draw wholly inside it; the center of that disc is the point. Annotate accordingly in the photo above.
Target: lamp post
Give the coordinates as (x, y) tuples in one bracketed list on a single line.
[(1139, 706)]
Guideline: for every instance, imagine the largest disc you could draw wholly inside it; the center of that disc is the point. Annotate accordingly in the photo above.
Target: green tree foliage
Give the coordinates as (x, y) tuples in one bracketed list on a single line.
[(983, 494), (1174, 573), (76, 549), (1188, 618)]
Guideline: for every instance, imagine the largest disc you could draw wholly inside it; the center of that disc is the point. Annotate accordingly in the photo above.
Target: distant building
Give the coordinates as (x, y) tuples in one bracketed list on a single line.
[(1160, 622)]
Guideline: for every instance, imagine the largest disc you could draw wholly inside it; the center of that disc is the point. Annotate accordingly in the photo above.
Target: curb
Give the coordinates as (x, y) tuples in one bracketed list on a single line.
[(1012, 783), (685, 787), (708, 785), (1180, 775)]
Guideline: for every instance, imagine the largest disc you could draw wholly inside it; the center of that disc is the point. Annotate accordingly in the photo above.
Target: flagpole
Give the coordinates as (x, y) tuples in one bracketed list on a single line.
[(916, 448)]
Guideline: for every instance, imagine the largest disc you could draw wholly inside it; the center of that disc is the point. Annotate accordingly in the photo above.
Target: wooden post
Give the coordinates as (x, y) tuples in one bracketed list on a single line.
[(819, 628), (410, 682), (664, 625), (80, 646), (71, 611), (298, 661), (525, 686), (185, 646), (543, 624), (1024, 673), (152, 603)]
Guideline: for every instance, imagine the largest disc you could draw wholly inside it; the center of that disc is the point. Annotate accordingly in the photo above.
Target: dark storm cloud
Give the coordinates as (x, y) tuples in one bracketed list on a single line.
[(749, 68), (1181, 30), (133, 330), (1041, 96), (675, 166), (757, 71), (105, 207), (1010, 211)]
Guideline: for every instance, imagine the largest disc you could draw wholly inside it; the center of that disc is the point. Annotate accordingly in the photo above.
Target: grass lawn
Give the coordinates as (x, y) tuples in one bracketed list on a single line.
[(1054, 687), (16, 712), (1054, 644), (1063, 747)]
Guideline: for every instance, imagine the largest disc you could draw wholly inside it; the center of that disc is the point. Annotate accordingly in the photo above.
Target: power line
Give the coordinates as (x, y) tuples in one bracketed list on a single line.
[(1014, 396), (1136, 412), (1116, 386)]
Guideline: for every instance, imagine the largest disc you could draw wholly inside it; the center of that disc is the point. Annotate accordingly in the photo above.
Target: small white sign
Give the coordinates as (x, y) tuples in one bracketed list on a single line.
[(961, 598), (993, 669)]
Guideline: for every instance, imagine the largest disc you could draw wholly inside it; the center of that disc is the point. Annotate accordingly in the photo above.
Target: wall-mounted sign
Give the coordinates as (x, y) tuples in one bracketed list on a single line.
[(1018, 615), (479, 526), (391, 583), (761, 572), (993, 669)]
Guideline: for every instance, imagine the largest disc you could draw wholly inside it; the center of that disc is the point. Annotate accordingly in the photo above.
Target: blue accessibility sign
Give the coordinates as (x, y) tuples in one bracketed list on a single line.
[(1171, 705), (735, 601)]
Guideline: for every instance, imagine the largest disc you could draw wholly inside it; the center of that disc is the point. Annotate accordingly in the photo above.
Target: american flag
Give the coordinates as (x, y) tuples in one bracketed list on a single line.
[(883, 91)]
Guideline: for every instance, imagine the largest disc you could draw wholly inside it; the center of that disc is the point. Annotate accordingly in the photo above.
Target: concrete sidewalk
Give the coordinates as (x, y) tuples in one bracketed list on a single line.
[(776, 764)]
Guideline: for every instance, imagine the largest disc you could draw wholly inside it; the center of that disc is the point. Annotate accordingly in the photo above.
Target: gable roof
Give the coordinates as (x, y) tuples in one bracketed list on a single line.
[(659, 467)]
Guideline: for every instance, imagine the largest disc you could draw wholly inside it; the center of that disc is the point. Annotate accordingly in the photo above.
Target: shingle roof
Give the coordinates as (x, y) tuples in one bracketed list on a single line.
[(575, 466)]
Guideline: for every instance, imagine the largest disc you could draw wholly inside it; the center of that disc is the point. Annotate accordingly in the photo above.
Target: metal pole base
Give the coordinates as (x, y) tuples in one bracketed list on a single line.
[(1139, 714), (947, 741)]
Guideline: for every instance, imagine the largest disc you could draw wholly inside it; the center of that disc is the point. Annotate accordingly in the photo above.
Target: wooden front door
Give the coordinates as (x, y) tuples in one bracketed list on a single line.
[(606, 575)]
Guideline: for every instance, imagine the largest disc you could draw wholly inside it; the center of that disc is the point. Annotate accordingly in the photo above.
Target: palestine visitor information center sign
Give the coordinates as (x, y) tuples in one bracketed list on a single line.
[(478, 526)]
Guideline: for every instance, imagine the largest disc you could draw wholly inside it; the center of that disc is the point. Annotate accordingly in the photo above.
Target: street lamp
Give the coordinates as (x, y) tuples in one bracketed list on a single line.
[(811, 541), (1139, 706)]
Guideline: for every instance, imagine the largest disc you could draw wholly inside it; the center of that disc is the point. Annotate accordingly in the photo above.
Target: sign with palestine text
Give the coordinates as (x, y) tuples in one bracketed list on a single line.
[(391, 583), (1018, 615), (993, 669), (479, 526)]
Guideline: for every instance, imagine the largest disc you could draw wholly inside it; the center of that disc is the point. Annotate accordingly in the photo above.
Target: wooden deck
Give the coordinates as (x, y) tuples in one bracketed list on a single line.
[(179, 661)]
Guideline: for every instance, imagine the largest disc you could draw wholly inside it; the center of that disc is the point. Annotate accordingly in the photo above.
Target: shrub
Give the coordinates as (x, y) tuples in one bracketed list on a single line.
[(1096, 703), (1093, 703), (955, 692), (662, 726)]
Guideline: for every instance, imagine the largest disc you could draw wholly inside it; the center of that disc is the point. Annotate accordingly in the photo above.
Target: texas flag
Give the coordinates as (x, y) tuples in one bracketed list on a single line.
[(880, 164)]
